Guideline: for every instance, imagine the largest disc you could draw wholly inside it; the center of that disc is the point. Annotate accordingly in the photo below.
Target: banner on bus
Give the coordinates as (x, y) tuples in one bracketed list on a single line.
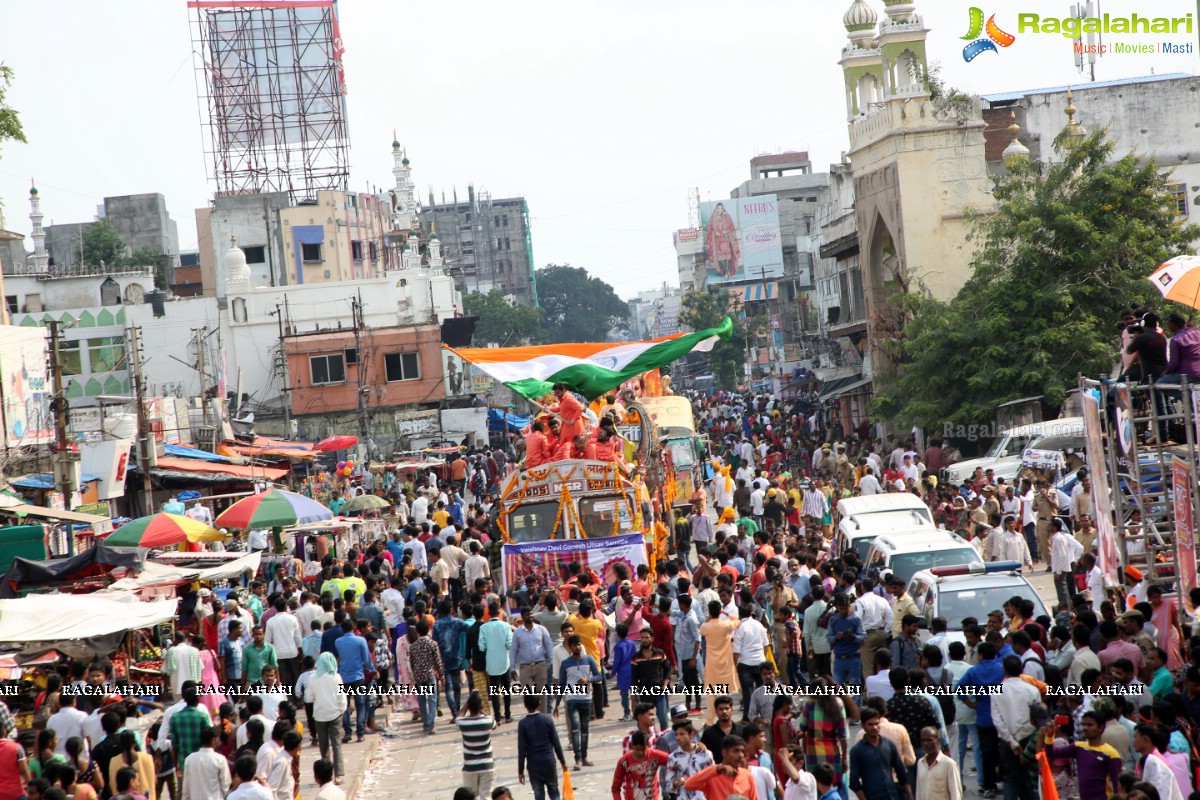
[(548, 560)]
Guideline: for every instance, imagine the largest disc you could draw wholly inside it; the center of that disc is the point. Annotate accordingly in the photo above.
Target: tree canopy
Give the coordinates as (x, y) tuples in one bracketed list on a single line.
[(577, 307), (502, 323), (10, 121), (706, 310), (102, 243), (1069, 246)]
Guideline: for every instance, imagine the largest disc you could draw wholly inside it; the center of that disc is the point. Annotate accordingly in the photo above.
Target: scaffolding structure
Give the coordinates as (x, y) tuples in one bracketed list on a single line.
[(272, 95), (1149, 437)]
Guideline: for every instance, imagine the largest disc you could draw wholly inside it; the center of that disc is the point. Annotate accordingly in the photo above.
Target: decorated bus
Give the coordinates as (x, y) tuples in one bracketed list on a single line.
[(567, 511), (678, 452)]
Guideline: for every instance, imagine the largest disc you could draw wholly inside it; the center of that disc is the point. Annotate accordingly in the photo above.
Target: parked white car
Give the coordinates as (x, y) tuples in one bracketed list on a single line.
[(1004, 456)]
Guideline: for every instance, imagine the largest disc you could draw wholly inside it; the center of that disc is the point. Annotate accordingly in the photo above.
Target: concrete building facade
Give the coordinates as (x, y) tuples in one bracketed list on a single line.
[(487, 243), (141, 220), (389, 367)]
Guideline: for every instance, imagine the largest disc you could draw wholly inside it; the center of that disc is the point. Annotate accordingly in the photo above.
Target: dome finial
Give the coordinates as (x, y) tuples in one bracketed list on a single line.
[(859, 17), (32, 186), (1016, 153)]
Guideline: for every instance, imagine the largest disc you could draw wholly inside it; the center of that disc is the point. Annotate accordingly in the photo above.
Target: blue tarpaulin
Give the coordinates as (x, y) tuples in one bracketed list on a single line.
[(515, 422), (179, 451), (44, 480)]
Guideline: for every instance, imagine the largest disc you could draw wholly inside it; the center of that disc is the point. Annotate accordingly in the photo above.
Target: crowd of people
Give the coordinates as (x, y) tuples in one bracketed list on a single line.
[(751, 662)]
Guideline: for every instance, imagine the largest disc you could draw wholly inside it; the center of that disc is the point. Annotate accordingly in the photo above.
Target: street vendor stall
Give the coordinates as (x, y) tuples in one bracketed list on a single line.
[(81, 626)]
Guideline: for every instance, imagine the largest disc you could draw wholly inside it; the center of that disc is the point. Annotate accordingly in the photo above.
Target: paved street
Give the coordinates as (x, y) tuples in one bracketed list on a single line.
[(403, 763)]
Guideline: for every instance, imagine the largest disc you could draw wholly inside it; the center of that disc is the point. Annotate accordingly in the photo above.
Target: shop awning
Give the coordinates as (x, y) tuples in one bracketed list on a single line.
[(44, 480), (179, 451), (234, 471), (154, 574), (65, 617), (25, 510), (842, 386), (755, 292), (268, 448)]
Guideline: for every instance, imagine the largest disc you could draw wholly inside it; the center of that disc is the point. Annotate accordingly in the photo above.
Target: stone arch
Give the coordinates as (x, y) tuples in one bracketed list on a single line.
[(884, 260), (869, 91), (110, 292), (906, 72)]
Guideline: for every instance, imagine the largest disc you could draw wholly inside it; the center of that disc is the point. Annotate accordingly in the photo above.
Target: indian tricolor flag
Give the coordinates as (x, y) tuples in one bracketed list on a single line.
[(590, 368)]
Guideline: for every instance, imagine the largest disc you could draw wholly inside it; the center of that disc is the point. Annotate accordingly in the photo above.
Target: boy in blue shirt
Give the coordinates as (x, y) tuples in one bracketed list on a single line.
[(622, 667)]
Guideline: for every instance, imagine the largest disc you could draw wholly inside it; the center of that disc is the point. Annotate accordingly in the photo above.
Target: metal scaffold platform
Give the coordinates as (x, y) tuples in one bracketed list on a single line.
[(1146, 439)]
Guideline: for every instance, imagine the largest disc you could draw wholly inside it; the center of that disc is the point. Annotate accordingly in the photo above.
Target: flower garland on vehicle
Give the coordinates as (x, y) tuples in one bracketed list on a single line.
[(563, 502), (530, 477)]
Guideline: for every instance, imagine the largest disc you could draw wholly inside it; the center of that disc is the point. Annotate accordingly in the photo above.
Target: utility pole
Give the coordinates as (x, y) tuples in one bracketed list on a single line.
[(64, 457), (200, 333), (147, 451), (285, 391), (363, 421)]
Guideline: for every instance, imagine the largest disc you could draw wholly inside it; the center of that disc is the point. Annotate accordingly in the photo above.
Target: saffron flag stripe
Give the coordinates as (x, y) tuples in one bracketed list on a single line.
[(589, 368)]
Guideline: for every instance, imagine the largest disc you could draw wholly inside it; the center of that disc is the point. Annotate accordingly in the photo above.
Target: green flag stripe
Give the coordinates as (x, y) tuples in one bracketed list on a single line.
[(593, 380)]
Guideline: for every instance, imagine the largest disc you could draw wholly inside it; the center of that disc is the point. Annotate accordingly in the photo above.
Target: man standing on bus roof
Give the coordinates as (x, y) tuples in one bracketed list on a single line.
[(570, 410)]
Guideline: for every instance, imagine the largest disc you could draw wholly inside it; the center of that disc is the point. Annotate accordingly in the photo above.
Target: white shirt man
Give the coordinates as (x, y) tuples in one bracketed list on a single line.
[(750, 642), (205, 775), (420, 509), (305, 615), (745, 473), (876, 463), (283, 633), (875, 612), (1028, 515), (1010, 710), (1010, 505), (1014, 548), (1157, 772), (909, 470), (267, 754), (869, 485), (878, 685), (939, 780), (258, 539), (393, 606), (756, 502), (66, 722), (1065, 550), (747, 452), (476, 567), (1095, 584), (416, 548)]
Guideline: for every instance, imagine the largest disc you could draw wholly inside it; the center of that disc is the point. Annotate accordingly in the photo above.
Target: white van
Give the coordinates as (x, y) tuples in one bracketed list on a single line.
[(905, 553), (1004, 456), (861, 519)]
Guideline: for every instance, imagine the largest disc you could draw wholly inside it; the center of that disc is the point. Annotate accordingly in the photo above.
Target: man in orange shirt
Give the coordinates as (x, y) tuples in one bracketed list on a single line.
[(536, 446), (729, 777), (570, 410), (458, 473), (583, 448)]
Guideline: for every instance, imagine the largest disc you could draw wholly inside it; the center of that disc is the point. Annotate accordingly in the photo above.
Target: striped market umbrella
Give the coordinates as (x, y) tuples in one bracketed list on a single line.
[(274, 508), (161, 530), (365, 502)]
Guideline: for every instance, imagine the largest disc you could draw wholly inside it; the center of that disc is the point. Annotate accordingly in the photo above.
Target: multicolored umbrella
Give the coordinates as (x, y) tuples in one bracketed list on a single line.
[(161, 530), (1179, 280), (335, 443), (365, 502), (273, 508)]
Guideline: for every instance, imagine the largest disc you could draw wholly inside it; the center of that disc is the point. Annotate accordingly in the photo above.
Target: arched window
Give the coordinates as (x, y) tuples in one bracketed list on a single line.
[(239, 309), (110, 293), (868, 92)]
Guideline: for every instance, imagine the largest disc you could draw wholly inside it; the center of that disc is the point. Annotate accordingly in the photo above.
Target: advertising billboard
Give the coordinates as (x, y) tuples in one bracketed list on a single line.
[(26, 390), (741, 239)]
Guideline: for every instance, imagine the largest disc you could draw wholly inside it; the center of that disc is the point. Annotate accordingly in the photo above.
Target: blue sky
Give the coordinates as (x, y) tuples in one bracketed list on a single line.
[(602, 115)]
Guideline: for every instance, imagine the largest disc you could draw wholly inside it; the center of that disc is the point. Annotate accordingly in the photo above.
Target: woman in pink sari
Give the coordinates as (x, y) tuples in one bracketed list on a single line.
[(1166, 621), (209, 676), (404, 677)]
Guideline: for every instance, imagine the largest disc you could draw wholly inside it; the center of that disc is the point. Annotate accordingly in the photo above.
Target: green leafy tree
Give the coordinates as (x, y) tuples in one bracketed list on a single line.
[(577, 307), (102, 243), (501, 322), (146, 256), (706, 310), (1070, 244), (10, 122)]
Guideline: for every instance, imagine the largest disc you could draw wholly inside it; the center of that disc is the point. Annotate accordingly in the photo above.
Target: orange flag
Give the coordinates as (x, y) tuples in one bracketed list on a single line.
[(1049, 789), (568, 792)]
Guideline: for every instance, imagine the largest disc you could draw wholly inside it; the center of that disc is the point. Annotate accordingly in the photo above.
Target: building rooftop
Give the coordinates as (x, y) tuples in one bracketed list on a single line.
[(1005, 98)]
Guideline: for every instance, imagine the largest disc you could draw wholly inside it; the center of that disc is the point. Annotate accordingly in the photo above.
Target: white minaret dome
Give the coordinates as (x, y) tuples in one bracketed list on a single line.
[(237, 271), (859, 17)]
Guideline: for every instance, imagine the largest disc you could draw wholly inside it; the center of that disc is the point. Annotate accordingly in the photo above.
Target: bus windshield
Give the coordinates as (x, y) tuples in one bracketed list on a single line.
[(534, 522), (596, 514)]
